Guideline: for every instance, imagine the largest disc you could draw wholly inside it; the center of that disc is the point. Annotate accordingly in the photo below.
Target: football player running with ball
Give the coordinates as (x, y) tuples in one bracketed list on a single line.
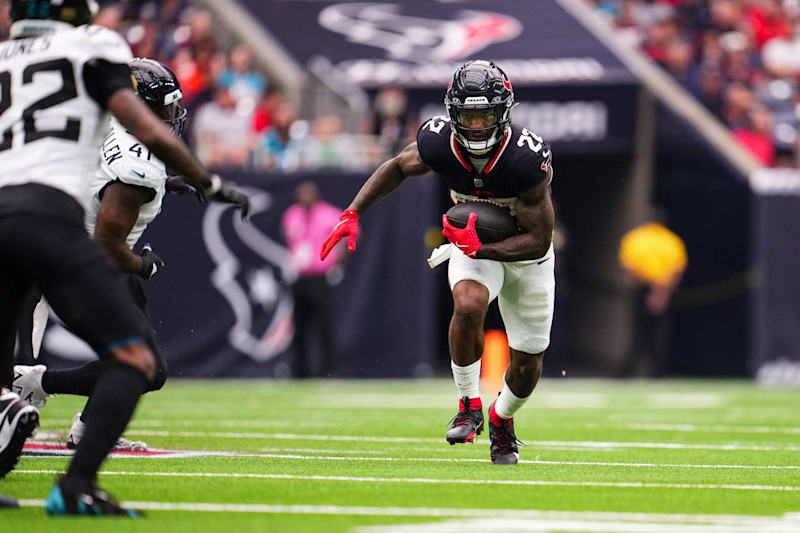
[(482, 156), (59, 78)]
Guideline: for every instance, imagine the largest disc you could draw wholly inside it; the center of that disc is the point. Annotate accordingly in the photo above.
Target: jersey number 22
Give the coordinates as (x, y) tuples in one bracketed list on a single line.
[(68, 91)]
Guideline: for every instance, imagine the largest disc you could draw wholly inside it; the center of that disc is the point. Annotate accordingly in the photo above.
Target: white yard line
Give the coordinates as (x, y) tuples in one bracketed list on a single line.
[(419, 440), (283, 453), (529, 514), (700, 428), (522, 525), (442, 481), (667, 427)]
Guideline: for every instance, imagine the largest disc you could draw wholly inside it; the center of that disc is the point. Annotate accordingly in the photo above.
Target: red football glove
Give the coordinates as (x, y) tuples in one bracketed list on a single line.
[(465, 238), (347, 226)]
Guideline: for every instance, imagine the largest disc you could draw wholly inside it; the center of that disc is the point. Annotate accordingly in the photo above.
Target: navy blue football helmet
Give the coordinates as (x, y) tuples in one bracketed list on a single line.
[(479, 101)]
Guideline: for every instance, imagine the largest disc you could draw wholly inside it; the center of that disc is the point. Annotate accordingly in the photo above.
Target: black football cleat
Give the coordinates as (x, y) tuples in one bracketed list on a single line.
[(89, 500), (466, 425), (503, 449), (18, 421)]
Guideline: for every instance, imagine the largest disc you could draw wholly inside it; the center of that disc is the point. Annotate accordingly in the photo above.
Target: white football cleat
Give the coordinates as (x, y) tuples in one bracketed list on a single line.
[(28, 384), (123, 444), (18, 420)]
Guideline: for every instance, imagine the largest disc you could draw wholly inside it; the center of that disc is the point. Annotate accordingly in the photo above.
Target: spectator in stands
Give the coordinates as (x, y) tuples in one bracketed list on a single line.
[(781, 55), (329, 148), (222, 135), (738, 99), (265, 109), (768, 21), (712, 84), (744, 55), (200, 30), (171, 12), (245, 84), (679, 61), (279, 148), (756, 136), (5, 22), (110, 17), (391, 119), (305, 226)]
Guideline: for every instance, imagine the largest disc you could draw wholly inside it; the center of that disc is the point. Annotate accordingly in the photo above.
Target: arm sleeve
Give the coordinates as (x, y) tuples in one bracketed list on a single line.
[(106, 68), (150, 192), (102, 79)]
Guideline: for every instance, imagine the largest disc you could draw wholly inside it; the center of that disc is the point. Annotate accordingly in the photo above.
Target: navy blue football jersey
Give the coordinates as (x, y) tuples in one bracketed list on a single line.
[(520, 162)]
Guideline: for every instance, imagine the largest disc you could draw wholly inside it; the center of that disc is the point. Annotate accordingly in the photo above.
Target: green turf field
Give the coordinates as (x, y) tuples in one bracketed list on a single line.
[(370, 456)]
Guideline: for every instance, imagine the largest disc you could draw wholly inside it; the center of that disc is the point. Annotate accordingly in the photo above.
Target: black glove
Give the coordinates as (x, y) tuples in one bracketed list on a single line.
[(179, 185), (151, 263), (219, 190)]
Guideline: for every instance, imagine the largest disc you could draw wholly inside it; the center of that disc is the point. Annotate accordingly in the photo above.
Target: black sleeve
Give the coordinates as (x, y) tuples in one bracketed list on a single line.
[(102, 79), (146, 190)]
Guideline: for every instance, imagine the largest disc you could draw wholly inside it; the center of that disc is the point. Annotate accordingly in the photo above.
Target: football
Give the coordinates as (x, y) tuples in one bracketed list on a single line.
[(494, 223)]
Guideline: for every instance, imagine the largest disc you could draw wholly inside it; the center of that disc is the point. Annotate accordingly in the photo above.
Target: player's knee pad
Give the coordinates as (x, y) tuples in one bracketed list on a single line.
[(139, 356), (532, 344), (162, 372)]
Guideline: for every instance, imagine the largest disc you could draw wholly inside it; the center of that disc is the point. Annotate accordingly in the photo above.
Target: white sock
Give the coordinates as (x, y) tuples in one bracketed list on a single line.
[(468, 379), (507, 403)]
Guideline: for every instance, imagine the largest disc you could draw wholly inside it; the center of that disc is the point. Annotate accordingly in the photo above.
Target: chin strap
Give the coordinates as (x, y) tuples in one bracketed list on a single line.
[(494, 140)]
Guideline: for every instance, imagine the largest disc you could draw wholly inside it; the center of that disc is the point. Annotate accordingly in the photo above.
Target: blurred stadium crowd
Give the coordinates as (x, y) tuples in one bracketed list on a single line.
[(236, 118), (740, 58)]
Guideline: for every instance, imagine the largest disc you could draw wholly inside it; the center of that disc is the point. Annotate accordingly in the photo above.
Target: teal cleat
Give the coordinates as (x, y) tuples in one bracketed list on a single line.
[(91, 501)]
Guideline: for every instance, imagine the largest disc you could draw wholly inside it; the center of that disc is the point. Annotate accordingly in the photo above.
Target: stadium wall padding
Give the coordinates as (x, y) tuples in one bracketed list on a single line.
[(708, 205)]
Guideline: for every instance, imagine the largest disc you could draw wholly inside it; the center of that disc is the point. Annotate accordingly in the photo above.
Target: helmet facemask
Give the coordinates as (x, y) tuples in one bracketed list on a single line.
[(478, 127), (173, 113)]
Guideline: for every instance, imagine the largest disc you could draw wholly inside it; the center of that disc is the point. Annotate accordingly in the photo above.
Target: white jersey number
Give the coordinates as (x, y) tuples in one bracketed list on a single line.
[(434, 126), (68, 91), (528, 137)]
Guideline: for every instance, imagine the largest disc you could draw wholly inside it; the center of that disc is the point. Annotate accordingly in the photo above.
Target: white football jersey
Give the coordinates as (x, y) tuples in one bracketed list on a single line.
[(51, 127), (123, 158)]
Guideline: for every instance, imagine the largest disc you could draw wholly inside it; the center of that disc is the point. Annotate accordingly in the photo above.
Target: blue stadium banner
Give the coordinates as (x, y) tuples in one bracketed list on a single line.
[(223, 306), (569, 88), (420, 43)]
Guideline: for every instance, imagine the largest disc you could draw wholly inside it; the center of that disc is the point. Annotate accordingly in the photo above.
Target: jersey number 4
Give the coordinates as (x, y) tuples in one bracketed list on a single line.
[(72, 128)]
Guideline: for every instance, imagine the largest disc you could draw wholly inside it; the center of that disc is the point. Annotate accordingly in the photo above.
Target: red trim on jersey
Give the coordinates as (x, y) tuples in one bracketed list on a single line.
[(490, 166), (454, 148)]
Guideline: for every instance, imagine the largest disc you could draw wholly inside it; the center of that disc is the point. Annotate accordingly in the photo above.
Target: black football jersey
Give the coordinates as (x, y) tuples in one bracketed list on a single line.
[(521, 161)]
